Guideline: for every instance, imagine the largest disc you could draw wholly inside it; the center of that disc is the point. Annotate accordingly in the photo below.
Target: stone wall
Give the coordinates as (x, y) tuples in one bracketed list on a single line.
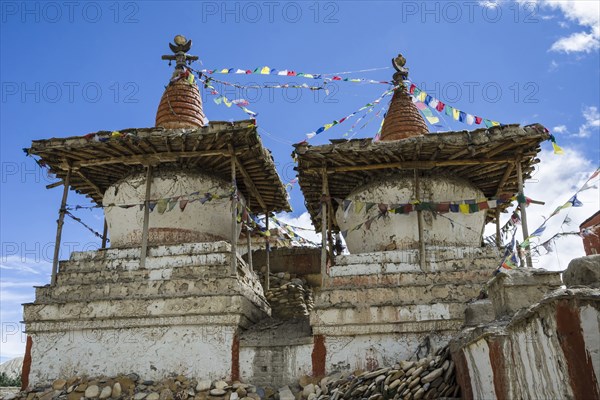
[(377, 308), (544, 343), (181, 314)]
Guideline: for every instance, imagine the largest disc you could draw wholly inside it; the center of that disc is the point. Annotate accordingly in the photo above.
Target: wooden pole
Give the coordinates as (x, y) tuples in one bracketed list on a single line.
[(324, 228), (523, 212), (249, 240), (498, 237), (420, 224), (233, 219), (267, 248), (144, 249), (59, 226), (104, 233)]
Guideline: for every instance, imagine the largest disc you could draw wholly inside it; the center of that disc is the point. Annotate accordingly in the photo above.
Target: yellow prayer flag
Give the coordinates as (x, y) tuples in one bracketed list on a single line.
[(265, 70), (224, 71), (557, 149), (464, 208), (327, 126), (455, 114), (227, 102)]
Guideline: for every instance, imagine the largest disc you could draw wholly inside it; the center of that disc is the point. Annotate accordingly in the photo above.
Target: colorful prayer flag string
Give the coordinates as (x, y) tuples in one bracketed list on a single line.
[(325, 127), (420, 97)]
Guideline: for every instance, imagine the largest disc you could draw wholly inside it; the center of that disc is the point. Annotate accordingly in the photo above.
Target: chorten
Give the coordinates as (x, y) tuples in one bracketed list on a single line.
[(411, 208), (171, 293)]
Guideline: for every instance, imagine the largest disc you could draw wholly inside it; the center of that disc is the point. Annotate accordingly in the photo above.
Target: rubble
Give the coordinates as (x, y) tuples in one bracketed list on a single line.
[(289, 296), (431, 377)]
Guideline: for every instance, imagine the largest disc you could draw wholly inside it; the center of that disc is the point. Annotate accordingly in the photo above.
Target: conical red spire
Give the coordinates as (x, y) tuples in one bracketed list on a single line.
[(181, 104), (403, 119)]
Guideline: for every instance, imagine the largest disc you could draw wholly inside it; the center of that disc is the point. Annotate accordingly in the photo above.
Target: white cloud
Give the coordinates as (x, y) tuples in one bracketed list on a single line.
[(555, 180), (560, 129), (584, 13), (577, 42), (591, 124)]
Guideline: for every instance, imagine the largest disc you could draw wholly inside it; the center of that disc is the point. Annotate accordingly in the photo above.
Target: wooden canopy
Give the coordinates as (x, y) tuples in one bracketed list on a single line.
[(485, 157), (100, 159)]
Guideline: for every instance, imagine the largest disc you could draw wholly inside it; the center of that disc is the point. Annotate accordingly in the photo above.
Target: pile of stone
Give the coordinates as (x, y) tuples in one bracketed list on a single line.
[(133, 387), (432, 377), (289, 296)]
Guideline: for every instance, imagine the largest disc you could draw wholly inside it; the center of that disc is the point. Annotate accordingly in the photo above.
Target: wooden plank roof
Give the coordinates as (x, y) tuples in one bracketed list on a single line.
[(485, 157), (101, 159)]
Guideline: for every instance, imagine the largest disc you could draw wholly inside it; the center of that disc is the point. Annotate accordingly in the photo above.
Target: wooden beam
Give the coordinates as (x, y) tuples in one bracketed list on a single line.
[(498, 237), (504, 179), (55, 184), (154, 158), (89, 182), (523, 212), (414, 164), (233, 219), (104, 233), (146, 223), (324, 227), (250, 184), (61, 221), (420, 223), (267, 249)]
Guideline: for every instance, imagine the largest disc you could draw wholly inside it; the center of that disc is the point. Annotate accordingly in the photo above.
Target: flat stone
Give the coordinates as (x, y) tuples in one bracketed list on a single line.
[(433, 375), (203, 385), (106, 392), (286, 394), (221, 385), (140, 396), (308, 389), (74, 396), (153, 396), (59, 384), (234, 396), (92, 391), (116, 390), (217, 392)]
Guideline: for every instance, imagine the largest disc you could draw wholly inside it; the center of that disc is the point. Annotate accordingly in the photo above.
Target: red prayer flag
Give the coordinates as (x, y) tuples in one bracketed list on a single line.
[(478, 120), (440, 106)]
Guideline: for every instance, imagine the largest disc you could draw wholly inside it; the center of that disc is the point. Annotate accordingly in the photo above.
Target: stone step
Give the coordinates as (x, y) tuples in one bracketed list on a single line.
[(406, 279), (433, 254), (153, 262), (388, 314), (403, 295), (153, 251), (115, 309), (141, 289), (101, 275)]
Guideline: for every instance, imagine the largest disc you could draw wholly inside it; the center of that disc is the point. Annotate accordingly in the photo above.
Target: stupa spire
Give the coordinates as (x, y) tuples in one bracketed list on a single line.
[(181, 104), (403, 119)]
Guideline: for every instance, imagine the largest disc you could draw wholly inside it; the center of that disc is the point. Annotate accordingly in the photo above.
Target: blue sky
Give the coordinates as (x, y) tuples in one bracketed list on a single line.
[(74, 69)]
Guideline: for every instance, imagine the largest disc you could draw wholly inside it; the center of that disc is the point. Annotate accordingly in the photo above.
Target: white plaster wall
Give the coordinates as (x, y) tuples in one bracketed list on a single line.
[(297, 362), (198, 222), (400, 230), (590, 324), (480, 370), (349, 353), (195, 351)]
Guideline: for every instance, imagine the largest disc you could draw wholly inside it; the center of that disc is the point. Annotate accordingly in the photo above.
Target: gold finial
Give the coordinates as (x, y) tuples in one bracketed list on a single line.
[(180, 48), (401, 71)]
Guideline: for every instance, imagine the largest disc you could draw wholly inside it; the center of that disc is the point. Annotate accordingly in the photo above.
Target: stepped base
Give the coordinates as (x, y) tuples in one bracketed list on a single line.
[(181, 314), (377, 308)]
